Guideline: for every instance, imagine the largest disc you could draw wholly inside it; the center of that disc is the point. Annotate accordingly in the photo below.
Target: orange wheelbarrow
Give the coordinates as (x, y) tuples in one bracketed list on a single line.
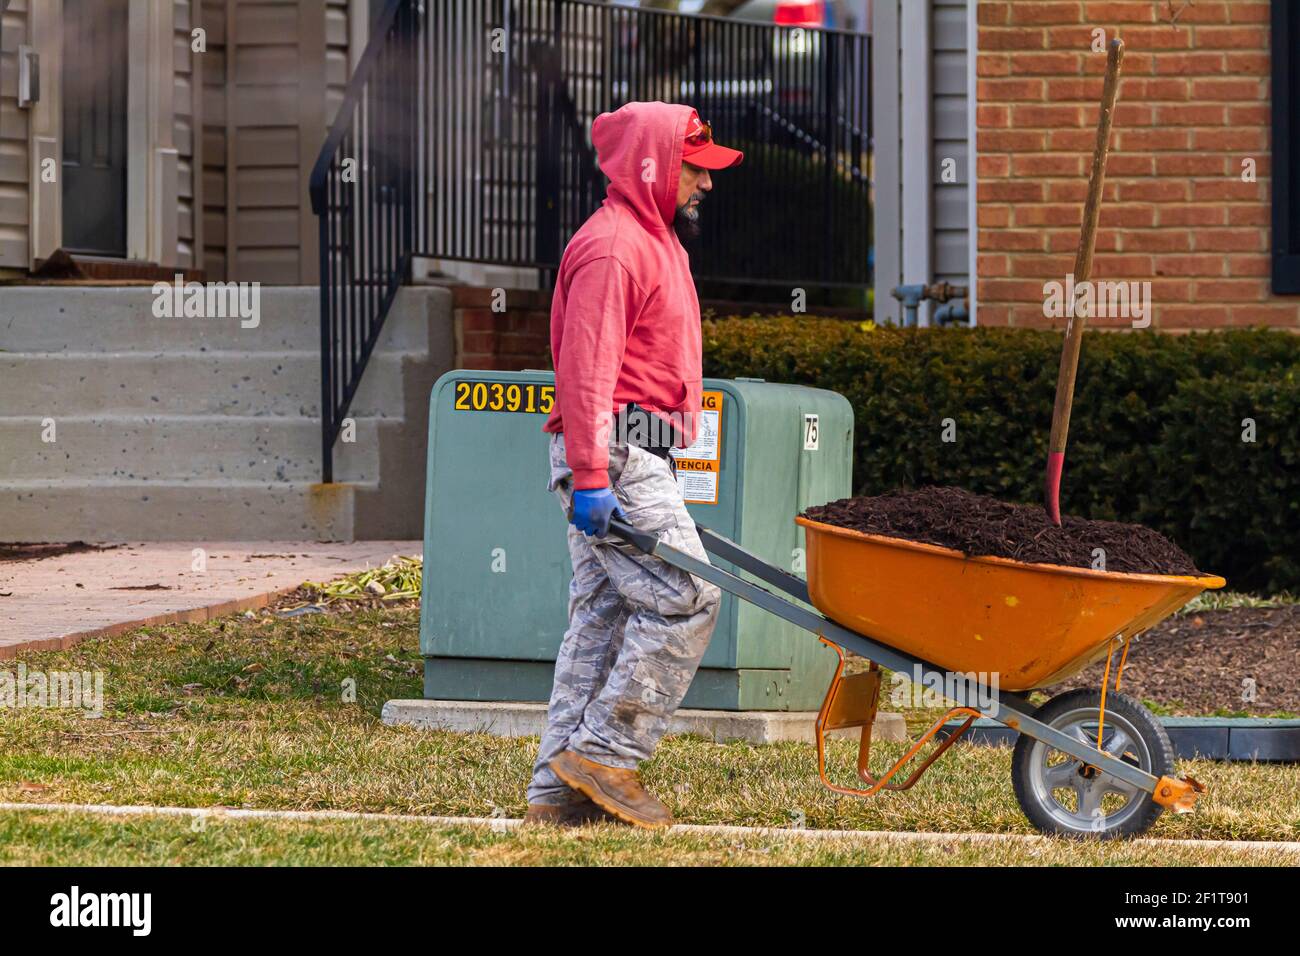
[(981, 632)]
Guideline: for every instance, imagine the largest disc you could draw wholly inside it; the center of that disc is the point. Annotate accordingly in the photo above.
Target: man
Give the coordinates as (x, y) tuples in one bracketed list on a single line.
[(625, 339)]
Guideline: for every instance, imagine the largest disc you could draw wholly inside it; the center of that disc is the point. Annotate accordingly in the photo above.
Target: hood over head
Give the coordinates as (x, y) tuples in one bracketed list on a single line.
[(639, 147)]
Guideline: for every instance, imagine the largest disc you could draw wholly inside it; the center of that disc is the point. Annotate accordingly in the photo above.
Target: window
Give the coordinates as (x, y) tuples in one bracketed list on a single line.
[(1286, 147)]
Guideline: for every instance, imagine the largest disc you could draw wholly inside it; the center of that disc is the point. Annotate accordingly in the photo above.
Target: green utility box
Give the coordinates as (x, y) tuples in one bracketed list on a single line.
[(496, 562)]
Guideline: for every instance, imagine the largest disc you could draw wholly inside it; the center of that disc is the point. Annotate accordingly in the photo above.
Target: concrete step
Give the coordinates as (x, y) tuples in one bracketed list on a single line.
[(166, 447), (527, 719), (121, 319), (186, 383), (486, 276), (110, 510), (176, 428)]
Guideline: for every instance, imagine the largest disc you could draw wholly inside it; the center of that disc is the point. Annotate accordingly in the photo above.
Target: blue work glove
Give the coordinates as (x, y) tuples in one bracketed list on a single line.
[(592, 508)]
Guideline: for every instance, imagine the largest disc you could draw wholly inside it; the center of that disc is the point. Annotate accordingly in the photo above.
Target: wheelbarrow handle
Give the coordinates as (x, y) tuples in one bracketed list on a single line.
[(621, 529), (641, 540)]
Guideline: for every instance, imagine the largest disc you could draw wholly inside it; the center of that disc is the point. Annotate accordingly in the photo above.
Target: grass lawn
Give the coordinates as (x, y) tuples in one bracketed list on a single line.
[(89, 840), (251, 712)]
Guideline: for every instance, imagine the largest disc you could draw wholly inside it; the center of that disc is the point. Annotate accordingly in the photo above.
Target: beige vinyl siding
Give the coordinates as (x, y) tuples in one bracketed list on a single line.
[(263, 88), (15, 200), (337, 70), (272, 79), (212, 16), (276, 121)]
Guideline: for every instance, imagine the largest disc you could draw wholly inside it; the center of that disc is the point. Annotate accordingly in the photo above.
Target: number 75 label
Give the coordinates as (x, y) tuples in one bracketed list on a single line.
[(811, 434)]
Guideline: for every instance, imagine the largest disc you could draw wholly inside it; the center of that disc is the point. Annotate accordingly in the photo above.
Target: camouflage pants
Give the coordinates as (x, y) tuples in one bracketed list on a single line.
[(637, 626)]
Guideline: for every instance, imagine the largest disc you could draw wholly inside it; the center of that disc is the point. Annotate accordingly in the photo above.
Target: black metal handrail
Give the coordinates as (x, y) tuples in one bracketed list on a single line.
[(464, 135), (814, 145), (362, 190)]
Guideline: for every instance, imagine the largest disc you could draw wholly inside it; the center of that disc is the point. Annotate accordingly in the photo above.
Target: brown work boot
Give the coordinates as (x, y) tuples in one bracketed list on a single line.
[(613, 789), (575, 813)]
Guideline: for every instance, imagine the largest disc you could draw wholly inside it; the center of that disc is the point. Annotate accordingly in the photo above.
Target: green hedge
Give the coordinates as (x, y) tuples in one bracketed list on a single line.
[(1155, 436)]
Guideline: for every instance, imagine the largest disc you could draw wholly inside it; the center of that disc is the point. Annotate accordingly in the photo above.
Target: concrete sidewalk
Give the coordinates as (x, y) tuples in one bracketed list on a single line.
[(52, 603), (503, 824)]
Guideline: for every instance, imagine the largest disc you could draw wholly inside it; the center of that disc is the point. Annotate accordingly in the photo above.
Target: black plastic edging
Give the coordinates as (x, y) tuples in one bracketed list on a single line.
[(1210, 738)]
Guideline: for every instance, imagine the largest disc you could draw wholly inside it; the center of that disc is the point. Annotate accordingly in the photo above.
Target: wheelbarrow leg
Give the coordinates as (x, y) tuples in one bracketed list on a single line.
[(851, 702)]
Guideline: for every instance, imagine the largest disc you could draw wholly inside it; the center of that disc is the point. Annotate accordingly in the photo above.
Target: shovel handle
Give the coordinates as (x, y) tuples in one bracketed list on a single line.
[(1082, 271)]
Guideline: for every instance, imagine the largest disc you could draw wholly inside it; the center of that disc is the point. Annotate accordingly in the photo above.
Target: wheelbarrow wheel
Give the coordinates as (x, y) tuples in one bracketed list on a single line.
[(1063, 796)]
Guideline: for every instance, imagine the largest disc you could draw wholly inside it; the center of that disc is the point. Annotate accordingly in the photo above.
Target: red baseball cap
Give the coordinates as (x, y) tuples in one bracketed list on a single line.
[(700, 149)]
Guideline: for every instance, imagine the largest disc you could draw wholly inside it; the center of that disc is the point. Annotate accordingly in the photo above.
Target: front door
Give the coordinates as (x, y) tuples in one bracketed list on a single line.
[(95, 58)]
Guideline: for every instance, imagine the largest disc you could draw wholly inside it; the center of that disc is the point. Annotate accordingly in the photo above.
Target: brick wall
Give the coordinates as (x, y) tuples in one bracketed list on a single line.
[(1194, 102), (514, 339)]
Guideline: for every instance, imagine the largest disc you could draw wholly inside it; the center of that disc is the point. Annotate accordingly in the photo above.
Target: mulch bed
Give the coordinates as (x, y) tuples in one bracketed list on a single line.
[(16, 551), (980, 526), (305, 600), (1203, 663), (1191, 664)]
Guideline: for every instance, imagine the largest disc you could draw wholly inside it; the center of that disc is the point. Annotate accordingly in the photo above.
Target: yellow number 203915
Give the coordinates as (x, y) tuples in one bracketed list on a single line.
[(529, 398)]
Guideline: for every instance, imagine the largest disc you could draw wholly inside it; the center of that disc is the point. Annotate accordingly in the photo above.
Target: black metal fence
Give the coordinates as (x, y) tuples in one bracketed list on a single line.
[(465, 134)]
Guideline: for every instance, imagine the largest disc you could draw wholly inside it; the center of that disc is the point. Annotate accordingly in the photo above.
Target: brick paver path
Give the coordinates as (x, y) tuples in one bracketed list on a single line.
[(55, 602)]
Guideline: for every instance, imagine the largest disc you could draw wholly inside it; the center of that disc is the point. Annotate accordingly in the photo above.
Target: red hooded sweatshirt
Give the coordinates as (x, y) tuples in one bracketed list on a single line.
[(625, 321)]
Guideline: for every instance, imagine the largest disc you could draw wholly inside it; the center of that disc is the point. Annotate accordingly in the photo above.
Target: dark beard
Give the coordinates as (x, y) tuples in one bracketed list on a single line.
[(687, 224)]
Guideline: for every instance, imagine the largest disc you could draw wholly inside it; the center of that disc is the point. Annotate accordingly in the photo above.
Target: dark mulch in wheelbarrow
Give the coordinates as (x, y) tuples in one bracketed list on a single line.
[(980, 526), (1214, 663)]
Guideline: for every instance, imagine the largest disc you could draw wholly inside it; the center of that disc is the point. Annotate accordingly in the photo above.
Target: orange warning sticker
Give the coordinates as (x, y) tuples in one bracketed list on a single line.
[(699, 466), (691, 464)]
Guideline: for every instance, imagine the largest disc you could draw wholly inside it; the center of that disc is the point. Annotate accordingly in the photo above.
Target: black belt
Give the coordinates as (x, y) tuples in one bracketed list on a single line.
[(639, 427)]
